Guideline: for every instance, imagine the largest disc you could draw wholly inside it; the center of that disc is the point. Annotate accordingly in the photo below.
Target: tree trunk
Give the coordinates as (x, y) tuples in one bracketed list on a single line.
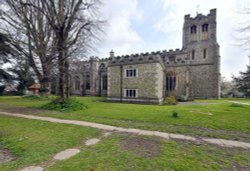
[(62, 79), (46, 84), (63, 73)]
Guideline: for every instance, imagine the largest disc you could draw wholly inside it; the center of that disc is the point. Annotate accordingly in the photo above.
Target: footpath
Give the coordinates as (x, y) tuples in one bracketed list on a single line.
[(71, 152)]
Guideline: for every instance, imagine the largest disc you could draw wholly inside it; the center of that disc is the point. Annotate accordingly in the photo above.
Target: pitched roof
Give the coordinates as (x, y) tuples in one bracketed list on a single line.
[(35, 86)]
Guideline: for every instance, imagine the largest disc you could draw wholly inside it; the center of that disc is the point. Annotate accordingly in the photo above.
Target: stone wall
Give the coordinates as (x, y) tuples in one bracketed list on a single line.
[(148, 83), (204, 82), (114, 81)]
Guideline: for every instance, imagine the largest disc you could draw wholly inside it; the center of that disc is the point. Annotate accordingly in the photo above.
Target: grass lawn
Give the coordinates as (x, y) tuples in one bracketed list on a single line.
[(126, 152), (33, 142), (211, 118)]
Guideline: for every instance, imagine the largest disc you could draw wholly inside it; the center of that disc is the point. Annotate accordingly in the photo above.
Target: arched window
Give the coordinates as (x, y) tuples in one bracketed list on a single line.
[(102, 66), (87, 82), (193, 54), (77, 83), (205, 27), (170, 81), (193, 29), (104, 82)]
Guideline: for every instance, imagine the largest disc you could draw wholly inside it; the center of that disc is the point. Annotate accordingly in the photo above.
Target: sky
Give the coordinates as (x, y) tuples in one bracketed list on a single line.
[(136, 26)]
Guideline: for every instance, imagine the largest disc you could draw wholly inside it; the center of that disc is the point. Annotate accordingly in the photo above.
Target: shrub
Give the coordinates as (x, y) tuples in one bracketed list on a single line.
[(175, 114), (64, 106), (170, 100)]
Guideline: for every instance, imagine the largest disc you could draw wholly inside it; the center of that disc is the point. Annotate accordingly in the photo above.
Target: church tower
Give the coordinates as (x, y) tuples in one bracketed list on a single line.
[(200, 44)]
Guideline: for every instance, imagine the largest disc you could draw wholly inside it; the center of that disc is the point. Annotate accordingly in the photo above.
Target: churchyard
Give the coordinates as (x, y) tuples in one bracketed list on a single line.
[(29, 142)]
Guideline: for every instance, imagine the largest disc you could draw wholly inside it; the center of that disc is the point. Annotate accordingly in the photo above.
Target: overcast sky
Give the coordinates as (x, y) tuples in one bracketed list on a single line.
[(136, 26)]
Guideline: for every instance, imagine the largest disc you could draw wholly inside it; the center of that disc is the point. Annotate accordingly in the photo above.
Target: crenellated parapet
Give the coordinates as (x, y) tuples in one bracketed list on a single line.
[(170, 57), (142, 58)]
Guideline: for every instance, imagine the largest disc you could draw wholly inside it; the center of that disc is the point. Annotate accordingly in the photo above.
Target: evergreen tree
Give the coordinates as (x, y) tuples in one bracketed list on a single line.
[(243, 82)]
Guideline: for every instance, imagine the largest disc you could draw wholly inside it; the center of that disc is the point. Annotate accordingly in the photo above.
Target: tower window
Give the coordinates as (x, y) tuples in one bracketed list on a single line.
[(193, 30), (204, 53), (193, 54), (204, 27)]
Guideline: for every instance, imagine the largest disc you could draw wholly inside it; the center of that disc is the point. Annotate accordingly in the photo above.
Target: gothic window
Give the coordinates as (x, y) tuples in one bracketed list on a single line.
[(193, 29), (87, 82), (77, 83), (131, 73), (193, 54), (170, 82), (205, 27), (104, 82), (130, 93), (204, 53), (102, 66)]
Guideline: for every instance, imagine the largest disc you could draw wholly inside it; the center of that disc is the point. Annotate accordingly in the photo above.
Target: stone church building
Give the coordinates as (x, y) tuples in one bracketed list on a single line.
[(192, 71)]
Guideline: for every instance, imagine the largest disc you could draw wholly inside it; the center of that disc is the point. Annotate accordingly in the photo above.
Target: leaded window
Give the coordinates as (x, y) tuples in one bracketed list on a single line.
[(131, 73), (104, 82), (130, 93), (193, 30), (87, 82), (170, 82), (204, 27), (77, 83)]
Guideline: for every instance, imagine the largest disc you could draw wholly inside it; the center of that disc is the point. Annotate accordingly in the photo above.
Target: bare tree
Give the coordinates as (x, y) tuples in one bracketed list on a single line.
[(74, 23), (243, 31), (5, 51), (31, 36)]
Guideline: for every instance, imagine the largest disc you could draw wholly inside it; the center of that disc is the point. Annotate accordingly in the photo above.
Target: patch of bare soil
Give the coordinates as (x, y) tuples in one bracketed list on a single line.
[(6, 155), (238, 167), (141, 146), (26, 110)]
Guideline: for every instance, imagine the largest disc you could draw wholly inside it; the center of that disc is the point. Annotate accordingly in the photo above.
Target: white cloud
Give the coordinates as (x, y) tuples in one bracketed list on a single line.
[(164, 28), (120, 35), (233, 57)]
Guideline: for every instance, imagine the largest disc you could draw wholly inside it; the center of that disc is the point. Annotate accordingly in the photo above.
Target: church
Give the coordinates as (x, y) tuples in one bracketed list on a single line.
[(192, 71)]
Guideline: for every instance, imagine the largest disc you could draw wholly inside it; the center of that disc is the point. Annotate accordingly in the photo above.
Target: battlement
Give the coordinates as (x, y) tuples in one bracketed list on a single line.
[(147, 57), (212, 13)]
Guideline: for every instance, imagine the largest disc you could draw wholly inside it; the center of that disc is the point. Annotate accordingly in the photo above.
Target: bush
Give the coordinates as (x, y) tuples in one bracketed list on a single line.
[(170, 100), (175, 114), (64, 106)]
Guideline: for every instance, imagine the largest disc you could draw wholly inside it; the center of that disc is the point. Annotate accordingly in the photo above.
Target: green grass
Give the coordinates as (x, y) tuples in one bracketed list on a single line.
[(212, 118), (108, 155), (34, 142)]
